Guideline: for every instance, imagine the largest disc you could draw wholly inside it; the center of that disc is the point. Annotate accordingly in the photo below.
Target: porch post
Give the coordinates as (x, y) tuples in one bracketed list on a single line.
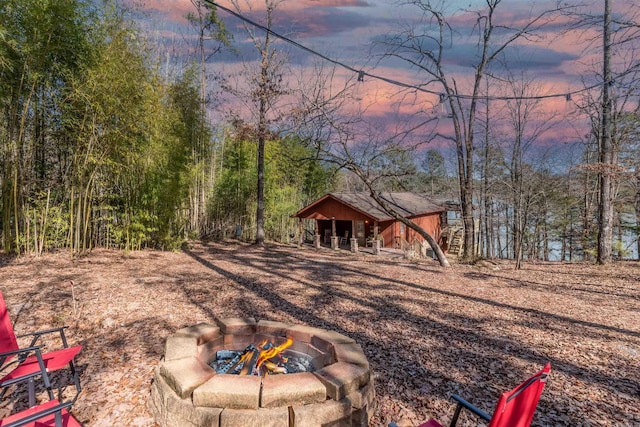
[(334, 238), (316, 235), (300, 232), (376, 247), (354, 245)]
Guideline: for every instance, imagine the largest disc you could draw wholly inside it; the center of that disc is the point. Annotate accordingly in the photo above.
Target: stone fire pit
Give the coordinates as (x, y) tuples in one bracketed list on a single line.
[(186, 391)]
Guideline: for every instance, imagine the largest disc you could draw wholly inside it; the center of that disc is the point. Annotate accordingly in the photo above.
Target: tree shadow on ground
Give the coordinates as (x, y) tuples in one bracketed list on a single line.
[(454, 339)]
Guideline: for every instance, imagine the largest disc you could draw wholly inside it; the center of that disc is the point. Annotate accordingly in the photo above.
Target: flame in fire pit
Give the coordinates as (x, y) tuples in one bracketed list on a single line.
[(263, 359), (268, 353)]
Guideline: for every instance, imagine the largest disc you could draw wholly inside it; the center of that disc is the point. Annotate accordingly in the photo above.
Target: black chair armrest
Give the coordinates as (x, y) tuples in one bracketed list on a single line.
[(392, 424), (46, 331), (36, 335), (462, 403), (25, 350)]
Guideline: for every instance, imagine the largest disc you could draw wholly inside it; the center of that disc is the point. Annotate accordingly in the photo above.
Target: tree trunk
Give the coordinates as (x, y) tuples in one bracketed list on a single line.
[(260, 196), (263, 94), (637, 209), (484, 217), (605, 207), (442, 259)]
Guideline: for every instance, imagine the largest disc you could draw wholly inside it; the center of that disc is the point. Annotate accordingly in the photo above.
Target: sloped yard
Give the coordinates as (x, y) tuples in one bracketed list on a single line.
[(428, 332)]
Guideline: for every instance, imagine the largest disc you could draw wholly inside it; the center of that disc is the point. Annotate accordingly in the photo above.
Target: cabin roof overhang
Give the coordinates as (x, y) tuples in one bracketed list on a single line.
[(409, 205)]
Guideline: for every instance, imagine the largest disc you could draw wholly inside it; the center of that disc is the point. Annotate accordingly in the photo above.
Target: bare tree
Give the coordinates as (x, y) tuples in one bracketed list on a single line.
[(637, 208), (266, 88), (212, 37), (426, 47), (341, 136), (606, 152), (527, 123), (617, 35)]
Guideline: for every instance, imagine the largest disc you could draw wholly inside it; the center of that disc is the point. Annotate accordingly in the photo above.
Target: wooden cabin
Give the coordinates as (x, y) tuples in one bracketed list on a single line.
[(348, 215)]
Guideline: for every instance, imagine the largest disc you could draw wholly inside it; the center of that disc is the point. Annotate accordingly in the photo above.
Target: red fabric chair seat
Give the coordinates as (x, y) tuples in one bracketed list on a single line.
[(431, 423), (45, 421), (515, 408), (53, 361), (29, 368)]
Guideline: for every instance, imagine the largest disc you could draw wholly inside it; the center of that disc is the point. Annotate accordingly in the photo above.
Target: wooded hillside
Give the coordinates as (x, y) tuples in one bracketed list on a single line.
[(102, 144)]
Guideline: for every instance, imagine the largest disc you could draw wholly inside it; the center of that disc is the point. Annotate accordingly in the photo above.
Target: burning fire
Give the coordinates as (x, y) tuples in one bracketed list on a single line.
[(263, 359), (268, 353)]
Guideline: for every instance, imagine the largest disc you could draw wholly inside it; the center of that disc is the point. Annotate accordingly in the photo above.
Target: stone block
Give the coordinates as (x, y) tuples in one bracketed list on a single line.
[(229, 391), (320, 362), (324, 337), (361, 417), (342, 378), (300, 347), (235, 325), (180, 347), (365, 396), (350, 353), (203, 332), (303, 332), (255, 417), (238, 342), (209, 417), (181, 413), (185, 375), (327, 348), (207, 351), (269, 327), (293, 389), (330, 413), (160, 385), (156, 403)]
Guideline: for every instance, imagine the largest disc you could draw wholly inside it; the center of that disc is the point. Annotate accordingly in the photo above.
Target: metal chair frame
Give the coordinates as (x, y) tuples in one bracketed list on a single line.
[(497, 420), (32, 361)]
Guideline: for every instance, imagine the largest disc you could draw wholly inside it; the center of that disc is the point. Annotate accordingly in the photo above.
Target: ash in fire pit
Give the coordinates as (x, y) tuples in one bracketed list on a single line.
[(264, 359), (225, 375)]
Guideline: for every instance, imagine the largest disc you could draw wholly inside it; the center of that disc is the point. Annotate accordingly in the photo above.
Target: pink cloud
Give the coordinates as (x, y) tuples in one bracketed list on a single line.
[(335, 3), (172, 10)]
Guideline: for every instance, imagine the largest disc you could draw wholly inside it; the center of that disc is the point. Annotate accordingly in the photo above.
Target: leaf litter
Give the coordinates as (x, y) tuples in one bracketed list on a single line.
[(428, 332)]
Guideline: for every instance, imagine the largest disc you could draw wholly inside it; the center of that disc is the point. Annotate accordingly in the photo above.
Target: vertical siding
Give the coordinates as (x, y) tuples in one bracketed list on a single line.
[(389, 230)]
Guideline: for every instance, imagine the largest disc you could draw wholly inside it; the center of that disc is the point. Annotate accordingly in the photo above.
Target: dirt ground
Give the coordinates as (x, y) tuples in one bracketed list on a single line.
[(427, 332)]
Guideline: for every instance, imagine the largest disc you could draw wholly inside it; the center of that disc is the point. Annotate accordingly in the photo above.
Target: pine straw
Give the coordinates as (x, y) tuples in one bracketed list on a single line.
[(428, 332)]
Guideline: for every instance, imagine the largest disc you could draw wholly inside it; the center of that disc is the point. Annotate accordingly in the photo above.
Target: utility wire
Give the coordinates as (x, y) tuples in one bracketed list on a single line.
[(362, 73)]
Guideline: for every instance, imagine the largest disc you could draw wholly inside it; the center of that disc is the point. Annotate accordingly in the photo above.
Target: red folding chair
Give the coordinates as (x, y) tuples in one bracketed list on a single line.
[(48, 414), (31, 362), (515, 408)]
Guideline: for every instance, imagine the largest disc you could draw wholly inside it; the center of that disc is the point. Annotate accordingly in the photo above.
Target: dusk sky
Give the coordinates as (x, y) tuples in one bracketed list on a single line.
[(346, 29)]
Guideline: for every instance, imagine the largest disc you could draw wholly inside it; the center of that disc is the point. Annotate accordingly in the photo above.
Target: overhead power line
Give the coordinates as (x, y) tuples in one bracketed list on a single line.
[(361, 73)]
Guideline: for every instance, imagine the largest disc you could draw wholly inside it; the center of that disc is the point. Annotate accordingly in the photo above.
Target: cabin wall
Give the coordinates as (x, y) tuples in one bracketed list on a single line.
[(432, 224), (332, 209), (395, 232), (354, 223)]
